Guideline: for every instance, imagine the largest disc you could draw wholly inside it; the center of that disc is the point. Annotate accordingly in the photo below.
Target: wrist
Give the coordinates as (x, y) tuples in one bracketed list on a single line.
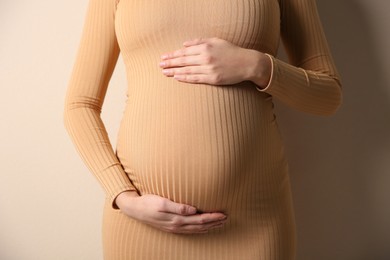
[(260, 69), (122, 200)]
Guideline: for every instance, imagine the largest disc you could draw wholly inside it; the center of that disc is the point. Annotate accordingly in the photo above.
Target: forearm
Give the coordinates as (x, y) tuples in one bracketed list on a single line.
[(305, 90), (89, 136)]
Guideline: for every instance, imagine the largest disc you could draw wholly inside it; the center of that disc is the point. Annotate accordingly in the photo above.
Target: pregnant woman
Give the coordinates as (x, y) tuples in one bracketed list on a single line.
[(199, 170)]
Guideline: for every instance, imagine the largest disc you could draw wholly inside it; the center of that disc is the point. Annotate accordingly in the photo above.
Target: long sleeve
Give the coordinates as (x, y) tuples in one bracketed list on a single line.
[(95, 61), (310, 81)]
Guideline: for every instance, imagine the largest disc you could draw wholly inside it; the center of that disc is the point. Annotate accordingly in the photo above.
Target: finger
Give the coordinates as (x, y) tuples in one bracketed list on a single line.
[(195, 41), (199, 78), (185, 51), (182, 231), (204, 218), (182, 61), (177, 208), (183, 70), (193, 229)]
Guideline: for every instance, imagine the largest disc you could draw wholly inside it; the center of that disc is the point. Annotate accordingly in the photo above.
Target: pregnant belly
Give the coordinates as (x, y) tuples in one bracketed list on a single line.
[(202, 149)]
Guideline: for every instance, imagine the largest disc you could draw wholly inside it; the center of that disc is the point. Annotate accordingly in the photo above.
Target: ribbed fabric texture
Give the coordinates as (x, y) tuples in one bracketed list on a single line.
[(217, 148)]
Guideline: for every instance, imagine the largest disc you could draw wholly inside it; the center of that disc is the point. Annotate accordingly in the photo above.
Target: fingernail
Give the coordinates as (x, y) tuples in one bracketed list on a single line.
[(192, 210), (177, 76), (164, 56), (162, 63)]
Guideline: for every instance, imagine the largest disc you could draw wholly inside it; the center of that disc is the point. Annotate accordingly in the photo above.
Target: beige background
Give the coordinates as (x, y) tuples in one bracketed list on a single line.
[(50, 205)]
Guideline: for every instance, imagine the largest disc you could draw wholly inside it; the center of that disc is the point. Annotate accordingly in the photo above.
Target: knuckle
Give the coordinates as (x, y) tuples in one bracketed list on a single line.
[(176, 222), (181, 61), (207, 46), (217, 78), (181, 209), (208, 59), (212, 68), (195, 78), (174, 229)]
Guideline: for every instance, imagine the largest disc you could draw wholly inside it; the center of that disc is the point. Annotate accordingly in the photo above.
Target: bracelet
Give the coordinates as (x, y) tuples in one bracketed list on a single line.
[(271, 77)]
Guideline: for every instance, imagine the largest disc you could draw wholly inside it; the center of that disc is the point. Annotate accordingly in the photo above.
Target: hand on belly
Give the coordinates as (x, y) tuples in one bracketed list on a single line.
[(217, 62), (167, 215)]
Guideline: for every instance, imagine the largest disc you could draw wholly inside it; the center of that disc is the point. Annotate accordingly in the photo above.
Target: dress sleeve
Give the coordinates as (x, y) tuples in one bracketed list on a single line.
[(95, 61), (310, 81)]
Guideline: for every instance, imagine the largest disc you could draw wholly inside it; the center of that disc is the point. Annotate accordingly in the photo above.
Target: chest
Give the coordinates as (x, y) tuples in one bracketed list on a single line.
[(251, 24)]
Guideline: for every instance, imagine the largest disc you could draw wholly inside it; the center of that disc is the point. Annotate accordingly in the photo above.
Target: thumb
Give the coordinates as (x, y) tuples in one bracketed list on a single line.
[(192, 42)]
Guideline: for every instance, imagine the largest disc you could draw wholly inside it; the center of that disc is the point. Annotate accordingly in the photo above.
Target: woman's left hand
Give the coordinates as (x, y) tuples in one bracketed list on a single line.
[(211, 61)]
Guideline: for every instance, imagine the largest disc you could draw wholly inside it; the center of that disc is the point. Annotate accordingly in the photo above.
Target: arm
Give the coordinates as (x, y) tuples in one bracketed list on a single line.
[(311, 83), (96, 59)]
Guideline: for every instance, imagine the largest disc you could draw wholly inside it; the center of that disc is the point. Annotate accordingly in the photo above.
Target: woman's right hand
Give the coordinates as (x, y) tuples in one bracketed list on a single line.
[(167, 215)]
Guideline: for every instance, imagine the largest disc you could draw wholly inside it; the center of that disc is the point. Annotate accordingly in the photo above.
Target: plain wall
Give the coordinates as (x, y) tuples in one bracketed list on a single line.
[(51, 206)]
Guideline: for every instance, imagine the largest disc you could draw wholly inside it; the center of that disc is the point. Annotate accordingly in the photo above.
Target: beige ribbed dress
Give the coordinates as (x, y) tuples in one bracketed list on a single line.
[(213, 147)]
